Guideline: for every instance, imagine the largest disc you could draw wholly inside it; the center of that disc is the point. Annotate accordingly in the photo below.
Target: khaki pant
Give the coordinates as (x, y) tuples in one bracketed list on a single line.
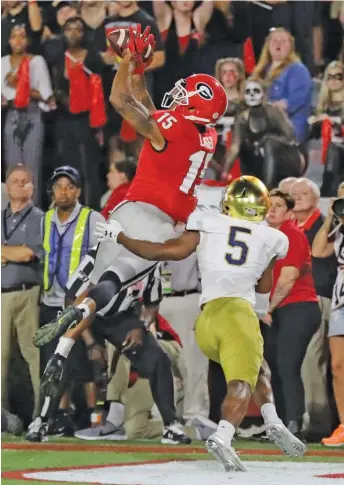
[(138, 400), (314, 376), (20, 317), (181, 312)]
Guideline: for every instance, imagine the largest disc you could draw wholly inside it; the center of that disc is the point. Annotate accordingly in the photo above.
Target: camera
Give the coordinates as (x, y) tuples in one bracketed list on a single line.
[(338, 207)]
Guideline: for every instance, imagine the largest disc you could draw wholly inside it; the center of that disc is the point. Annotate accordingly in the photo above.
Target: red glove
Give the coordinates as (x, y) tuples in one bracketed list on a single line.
[(138, 45)]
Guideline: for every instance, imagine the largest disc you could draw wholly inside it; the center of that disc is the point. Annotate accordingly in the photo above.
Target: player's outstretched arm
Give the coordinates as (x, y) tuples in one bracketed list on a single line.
[(140, 91), (132, 110), (171, 250)]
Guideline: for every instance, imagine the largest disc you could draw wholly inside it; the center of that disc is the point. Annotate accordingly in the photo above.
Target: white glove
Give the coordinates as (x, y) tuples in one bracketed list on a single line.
[(107, 231)]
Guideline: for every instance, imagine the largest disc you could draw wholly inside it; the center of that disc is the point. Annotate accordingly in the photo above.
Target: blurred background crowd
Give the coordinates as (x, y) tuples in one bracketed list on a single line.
[(64, 149)]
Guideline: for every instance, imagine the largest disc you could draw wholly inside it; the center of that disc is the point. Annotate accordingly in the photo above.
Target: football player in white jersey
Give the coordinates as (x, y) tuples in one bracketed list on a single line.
[(324, 246), (236, 255)]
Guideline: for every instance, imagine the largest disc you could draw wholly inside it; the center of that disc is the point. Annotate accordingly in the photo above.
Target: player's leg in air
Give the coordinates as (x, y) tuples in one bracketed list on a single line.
[(275, 430)]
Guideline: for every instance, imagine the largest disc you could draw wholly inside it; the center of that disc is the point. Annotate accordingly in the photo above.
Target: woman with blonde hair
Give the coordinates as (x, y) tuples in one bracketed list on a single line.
[(328, 123), (289, 81)]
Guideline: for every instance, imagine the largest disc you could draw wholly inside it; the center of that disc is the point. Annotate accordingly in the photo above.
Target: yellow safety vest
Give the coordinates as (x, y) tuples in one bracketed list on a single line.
[(78, 237)]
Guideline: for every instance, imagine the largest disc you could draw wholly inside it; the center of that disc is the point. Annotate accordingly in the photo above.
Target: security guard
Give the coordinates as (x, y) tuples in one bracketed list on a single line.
[(67, 236), (180, 307)]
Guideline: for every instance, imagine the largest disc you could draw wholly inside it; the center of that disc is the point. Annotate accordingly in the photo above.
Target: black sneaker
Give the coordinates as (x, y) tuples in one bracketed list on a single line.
[(174, 435), (52, 376), (63, 425), (65, 320)]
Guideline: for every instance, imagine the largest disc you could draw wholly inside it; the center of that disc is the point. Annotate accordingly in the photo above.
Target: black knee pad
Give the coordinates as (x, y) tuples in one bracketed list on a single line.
[(108, 286)]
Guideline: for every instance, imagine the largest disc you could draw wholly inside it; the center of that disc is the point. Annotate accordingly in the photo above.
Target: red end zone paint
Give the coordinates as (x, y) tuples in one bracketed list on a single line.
[(331, 475), (153, 449)]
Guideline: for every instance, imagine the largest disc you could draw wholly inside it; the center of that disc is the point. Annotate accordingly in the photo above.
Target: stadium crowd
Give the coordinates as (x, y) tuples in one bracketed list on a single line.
[(68, 160)]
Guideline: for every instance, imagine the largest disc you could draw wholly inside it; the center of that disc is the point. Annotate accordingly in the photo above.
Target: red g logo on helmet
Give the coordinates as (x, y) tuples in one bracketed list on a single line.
[(199, 98)]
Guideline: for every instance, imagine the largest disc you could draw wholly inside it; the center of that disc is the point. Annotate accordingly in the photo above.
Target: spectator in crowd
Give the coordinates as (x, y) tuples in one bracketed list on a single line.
[(80, 109), (21, 255), (119, 179), (181, 27), (225, 33), (290, 84), (334, 30), (23, 14), (296, 17), (180, 306), (53, 41), (264, 139), (328, 123), (286, 184), (231, 74), (308, 218), (26, 92), (68, 235), (318, 38), (323, 247), (93, 13), (294, 315)]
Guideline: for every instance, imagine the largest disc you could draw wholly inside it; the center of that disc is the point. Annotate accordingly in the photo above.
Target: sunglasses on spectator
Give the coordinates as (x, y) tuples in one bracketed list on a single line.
[(337, 77)]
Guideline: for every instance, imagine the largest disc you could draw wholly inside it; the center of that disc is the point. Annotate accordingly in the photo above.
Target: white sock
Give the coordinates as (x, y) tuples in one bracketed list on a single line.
[(86, 312), (116, 414), (269, 413), (226, 430), (64, 346)]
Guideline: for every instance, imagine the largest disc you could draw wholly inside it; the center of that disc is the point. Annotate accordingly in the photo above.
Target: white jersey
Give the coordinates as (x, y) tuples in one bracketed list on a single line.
[(233, 254), (338, 290)]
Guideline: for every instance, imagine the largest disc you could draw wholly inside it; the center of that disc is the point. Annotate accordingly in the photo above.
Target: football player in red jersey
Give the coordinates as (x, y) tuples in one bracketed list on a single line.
[(180, 141)]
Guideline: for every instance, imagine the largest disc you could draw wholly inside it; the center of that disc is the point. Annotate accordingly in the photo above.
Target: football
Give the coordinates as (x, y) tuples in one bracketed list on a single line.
[(119, 39)]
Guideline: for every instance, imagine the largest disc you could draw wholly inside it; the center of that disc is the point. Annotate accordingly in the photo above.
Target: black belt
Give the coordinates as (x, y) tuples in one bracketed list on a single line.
[(182, 293), (23, 287)]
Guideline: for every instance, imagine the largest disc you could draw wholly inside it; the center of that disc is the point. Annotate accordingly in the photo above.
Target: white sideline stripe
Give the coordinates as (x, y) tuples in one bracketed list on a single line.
[(199, 473)]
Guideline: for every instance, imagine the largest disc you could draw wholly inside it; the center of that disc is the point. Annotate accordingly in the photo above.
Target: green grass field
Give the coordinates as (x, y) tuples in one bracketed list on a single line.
[(18, 454)]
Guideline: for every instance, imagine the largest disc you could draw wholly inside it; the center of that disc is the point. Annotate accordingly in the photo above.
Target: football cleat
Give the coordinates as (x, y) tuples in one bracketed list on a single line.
[(284, 439), (224, 454), (67, 319)]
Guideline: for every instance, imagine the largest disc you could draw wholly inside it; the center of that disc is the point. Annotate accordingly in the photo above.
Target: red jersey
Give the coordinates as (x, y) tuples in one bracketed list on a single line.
[(299, 256), (168, 178), (117, 196)]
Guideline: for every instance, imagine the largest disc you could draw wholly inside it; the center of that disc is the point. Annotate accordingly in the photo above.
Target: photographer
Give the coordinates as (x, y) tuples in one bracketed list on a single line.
[(323, 247)]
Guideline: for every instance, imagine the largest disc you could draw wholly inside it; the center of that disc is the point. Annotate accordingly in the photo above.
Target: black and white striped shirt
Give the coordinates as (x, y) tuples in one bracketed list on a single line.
[(147, 291)]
